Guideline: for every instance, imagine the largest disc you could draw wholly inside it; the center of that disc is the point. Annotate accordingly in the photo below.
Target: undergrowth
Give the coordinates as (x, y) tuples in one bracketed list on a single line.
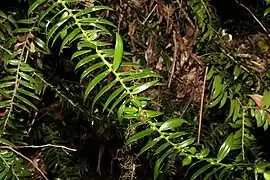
[(108, 86)]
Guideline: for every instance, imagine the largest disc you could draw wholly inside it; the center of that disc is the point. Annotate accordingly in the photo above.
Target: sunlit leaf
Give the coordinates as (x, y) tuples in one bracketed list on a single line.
[(225, 148), (186, 161), (152, 114), (177, 134), (144, 87), (118, 53), (266, 99), (92, 9), (172, 123), (186, 142)]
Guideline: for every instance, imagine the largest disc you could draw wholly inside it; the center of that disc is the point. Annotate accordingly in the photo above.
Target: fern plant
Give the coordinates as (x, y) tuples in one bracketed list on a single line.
[(173, 138), (19, 89), (69, 22)]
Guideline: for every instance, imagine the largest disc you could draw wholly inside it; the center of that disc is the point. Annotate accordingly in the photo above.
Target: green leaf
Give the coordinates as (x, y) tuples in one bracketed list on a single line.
[(27, 84), (266, 175), (55, 27), (86, 60), (236, 110), (225, 148), (135, 125), (118, 53), (186, 142), (216, 101), (21, 107), (26, 101), (177, 134), (149, 145), (258, 118), (162, 147), (232, 107), (27, 93), (159, 161), (46, 12), (96, 21), (266, 12), (266, 99), (186, 161), (217, 81), (133, 75), (152, 114), (132, 115), (118, 100), (172, 123), (6, 84), (80, 53), (210, 174), (237, 71), (139, 135), (90, 69), (22, 30), (6, 142), (103, 90), (94, 82), (34, 6), (200, 171), (224, 99), (205, 152), (4, 104), (92, 9), (69, 38), (144, 87), (3, 174), (211, 73), (28, 21), (113, 96)]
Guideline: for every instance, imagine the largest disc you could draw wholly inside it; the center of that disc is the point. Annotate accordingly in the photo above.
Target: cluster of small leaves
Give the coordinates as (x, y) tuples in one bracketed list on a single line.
[(204, 17), (267, 10), (19, 89), (247, 111)]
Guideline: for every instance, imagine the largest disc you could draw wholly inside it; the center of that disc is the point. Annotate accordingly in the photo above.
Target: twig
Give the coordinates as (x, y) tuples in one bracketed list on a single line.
[(174, 58), (41, 146), (149, 15), (258, 21), (101, 150), (201, 108), (23, 156)]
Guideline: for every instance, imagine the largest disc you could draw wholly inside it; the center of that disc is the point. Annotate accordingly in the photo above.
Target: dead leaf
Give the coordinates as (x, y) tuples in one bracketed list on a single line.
[(2, 112), (32, 47), (18, 45), (21, 38), (159, 64), (189, 30), (257, 98)]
